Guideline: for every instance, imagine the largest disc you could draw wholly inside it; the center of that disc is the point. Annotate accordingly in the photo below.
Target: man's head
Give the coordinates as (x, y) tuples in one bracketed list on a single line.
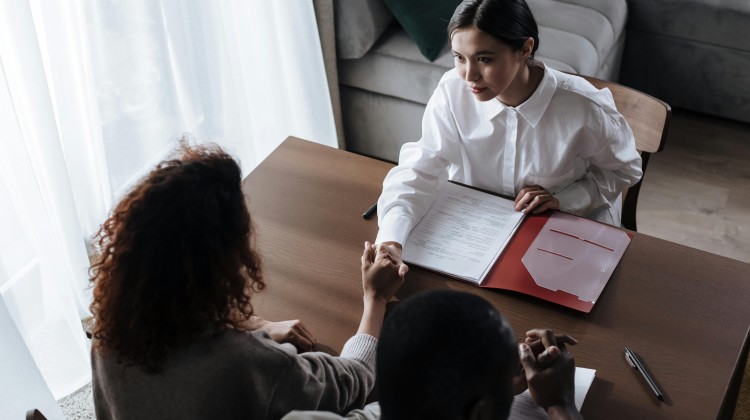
[(446, 355)]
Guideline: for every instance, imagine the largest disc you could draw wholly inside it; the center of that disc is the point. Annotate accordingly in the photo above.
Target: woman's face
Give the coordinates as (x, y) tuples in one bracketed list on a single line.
[(488, 66)]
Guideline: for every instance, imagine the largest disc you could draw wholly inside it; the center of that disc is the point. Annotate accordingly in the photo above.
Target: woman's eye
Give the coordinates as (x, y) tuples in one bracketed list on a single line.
[(484, 60), (458, 57)]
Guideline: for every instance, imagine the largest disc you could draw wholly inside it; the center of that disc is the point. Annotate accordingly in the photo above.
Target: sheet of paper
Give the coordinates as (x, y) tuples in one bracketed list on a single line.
[(525, 408), (463, 233)]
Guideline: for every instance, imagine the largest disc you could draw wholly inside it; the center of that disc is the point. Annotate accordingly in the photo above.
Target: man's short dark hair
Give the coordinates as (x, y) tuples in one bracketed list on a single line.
[(439, 353)]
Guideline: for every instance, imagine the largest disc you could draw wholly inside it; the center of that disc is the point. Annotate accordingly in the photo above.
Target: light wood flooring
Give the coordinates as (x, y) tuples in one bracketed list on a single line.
[(697, 193)]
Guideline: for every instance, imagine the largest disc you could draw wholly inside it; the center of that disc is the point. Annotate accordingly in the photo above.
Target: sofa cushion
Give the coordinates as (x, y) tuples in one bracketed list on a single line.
[(395, 66), (693, 54), (721, 23), (600, 31), (359, 23), (425, 21), (616, 12)]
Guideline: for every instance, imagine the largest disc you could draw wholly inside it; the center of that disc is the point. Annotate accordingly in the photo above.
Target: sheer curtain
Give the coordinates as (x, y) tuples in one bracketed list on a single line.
[(93, 93)]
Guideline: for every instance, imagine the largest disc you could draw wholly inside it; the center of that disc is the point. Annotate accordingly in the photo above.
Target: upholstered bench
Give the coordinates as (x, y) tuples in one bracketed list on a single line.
[(385, 86), (693, 54)]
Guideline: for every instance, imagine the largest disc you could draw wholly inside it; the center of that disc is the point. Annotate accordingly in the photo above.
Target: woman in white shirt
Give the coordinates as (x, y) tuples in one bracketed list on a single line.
[(505, 122)]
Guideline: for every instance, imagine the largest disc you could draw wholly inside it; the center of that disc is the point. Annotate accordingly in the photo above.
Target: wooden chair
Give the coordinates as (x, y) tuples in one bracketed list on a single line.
[(648, 117)]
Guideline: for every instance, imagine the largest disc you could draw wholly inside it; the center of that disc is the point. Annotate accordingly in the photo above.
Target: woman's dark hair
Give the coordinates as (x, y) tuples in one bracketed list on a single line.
[(510, 21), (177, 259)]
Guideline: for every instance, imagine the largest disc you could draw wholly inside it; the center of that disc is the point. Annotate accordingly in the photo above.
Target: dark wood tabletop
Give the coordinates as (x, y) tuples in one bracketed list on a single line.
[(685, 312)]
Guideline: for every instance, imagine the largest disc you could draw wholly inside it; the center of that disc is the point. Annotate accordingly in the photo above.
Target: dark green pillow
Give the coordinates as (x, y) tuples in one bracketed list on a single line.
[(426, 22)]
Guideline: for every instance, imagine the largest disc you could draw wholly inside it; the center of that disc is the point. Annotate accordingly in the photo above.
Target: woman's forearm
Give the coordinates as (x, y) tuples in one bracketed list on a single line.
[(372, 317)]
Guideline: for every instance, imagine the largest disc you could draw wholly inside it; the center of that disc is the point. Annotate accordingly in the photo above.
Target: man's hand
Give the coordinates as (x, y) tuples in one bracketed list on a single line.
[(540, 344), (541, 353), (292, 332), (535, 199), (552, 387)]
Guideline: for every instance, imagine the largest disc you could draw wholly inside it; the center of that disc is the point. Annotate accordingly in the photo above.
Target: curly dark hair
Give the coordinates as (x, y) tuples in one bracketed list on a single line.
[(177, 259)]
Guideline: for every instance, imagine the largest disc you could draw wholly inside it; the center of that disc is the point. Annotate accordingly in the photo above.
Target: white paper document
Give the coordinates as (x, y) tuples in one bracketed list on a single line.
[(525, 408), (463, 233)]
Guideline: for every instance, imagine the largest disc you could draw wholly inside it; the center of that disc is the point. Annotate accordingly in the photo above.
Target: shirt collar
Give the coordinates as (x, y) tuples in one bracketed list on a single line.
[(534, 107)]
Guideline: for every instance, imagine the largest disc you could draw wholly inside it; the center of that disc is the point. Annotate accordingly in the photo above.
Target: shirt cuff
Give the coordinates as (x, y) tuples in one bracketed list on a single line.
[(361, 347), (394, 228), (575, 199)]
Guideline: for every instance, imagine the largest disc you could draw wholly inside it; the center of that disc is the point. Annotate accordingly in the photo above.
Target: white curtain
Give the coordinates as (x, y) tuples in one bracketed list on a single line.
[(93, 93)]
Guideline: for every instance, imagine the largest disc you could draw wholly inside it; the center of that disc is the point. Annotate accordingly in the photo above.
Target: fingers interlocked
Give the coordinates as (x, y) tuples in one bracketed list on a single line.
[(548, 367)]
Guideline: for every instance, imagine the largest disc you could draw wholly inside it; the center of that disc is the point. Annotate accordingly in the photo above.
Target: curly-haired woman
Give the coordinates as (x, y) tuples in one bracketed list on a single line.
[(175, 335)]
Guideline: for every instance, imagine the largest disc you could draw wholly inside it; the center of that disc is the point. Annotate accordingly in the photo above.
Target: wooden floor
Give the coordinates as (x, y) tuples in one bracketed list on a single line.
[(697, 193)]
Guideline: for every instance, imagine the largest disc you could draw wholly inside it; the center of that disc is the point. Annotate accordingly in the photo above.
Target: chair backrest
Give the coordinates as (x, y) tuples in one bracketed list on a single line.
[(648, 117)]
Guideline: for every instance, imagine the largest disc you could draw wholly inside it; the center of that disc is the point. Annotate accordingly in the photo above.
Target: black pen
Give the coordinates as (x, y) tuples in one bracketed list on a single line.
[(370, 211), (636, 364)]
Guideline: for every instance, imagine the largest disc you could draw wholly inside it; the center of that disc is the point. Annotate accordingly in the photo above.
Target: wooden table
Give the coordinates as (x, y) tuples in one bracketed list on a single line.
[(684, 311)]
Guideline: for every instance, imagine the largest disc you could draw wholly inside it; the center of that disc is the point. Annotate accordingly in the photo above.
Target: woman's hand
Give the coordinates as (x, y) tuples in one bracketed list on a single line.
[(380, 282), (381, 273), (535, 199), (394, 252), (292, 332)]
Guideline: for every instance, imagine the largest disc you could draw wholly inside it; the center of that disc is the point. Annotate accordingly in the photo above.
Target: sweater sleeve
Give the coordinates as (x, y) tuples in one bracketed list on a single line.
[(319, 381)]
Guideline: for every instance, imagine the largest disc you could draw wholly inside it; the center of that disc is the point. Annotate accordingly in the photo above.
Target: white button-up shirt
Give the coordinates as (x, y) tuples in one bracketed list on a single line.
[(567, 138)]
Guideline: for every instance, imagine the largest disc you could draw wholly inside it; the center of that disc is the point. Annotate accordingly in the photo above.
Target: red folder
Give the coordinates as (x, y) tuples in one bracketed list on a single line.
[(509, 273)]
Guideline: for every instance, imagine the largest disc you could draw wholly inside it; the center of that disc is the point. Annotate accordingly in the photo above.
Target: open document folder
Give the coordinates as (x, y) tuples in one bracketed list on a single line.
[(478, 237)]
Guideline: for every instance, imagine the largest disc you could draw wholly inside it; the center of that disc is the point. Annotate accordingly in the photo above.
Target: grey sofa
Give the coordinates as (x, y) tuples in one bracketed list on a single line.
[(385, 82), (693, 54)]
